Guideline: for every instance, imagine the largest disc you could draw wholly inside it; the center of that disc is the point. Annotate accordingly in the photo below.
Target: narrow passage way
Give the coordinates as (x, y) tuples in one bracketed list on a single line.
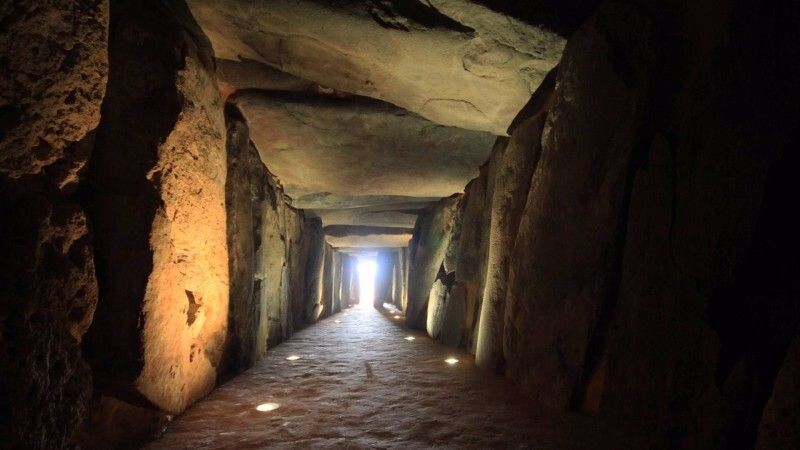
[(359, 383)]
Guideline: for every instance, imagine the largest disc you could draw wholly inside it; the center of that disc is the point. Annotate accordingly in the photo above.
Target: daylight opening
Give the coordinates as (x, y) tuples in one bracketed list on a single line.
[(366, 280)]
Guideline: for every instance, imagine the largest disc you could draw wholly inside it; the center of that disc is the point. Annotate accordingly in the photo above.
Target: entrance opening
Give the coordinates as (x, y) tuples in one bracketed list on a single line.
[(366, 280)]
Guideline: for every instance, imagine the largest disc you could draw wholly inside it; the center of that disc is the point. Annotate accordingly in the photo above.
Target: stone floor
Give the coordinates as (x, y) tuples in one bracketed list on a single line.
[(360, 384)]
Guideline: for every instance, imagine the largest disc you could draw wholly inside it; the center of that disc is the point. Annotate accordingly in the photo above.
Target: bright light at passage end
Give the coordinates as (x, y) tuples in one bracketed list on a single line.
[(366, 276)]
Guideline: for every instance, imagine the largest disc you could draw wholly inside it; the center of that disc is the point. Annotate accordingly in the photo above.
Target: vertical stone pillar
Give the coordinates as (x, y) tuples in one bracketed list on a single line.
[(158, 176)]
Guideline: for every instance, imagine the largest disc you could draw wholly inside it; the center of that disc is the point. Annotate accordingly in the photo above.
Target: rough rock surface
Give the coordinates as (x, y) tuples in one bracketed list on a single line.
[(465, 297), (52, 80), (325, 149), (377, 49), (510, 171), (400, 215), (428, 246), (346, 236), (245, 198), (314, 278), (708, 302), (157, 204), (53, 69), (269, 246), (328, 277), (567, 253)]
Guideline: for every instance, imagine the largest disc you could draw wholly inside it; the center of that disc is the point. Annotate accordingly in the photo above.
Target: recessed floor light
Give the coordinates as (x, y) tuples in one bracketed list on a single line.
[(267, 407), (397, 317), (451, 360), (292, 358), (337, 321), (409, 338)]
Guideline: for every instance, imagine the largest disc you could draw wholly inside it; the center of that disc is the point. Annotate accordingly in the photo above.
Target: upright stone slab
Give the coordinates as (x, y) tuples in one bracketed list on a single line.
[(428, 247), (52, 81), (511, 168), (158, 176)]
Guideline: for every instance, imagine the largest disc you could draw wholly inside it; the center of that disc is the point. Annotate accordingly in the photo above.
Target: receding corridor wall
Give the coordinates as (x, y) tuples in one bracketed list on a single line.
[(649, 279)]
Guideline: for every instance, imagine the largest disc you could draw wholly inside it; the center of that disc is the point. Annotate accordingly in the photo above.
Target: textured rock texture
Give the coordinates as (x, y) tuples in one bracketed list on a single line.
[(332, 152), (314, 270), (158, 209), (399, 215), (652, 279), (510, 171), (377, 49), (465, 296), (269, 246), (428, 246), (359, 236), (328, 277), (567, 253), (707, 302), (53, 69), (245, 199)]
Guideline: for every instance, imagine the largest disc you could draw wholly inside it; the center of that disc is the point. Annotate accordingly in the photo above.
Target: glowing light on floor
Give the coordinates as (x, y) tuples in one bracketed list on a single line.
[(451, 360), (292, 358), (366, 280), (409, 338), (397, 317), (337, 321), (267, 407)]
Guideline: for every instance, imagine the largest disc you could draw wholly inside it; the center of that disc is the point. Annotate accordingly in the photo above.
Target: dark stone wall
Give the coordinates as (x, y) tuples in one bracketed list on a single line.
[(271, 247), (652, 277), (53, 69), (314, 270)]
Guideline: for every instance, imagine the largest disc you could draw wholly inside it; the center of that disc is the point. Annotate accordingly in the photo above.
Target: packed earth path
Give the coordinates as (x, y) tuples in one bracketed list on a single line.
[(358, 380)]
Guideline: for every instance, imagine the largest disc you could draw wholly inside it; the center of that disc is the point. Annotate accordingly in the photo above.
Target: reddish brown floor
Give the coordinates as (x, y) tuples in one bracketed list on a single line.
[(360, 384)]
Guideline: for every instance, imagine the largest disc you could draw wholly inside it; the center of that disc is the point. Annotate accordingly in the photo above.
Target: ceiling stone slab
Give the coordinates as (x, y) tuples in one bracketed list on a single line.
[(331, 152), (401, 215), (345, 236), (454, 62), (369, 241)]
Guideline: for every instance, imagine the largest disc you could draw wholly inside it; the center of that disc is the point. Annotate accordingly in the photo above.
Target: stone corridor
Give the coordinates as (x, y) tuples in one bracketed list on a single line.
[(360, 384)]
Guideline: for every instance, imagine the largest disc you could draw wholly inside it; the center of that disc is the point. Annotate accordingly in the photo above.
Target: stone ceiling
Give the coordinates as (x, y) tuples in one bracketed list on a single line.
[(367, 110)]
